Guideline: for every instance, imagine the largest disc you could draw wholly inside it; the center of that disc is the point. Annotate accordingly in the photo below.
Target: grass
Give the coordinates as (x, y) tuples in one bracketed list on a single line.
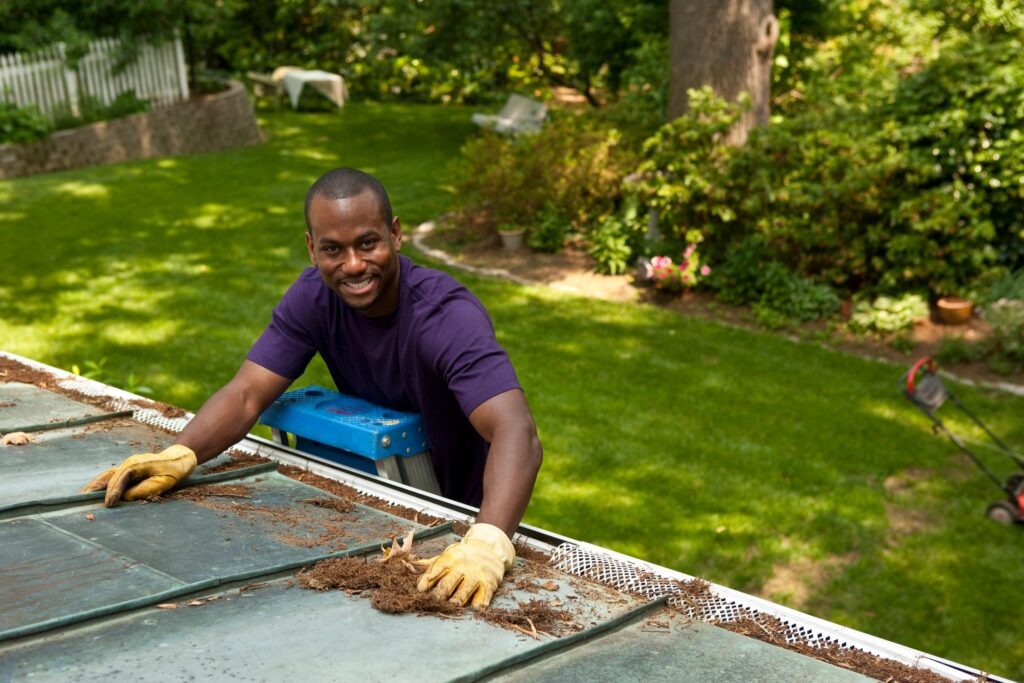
[(762, 464)]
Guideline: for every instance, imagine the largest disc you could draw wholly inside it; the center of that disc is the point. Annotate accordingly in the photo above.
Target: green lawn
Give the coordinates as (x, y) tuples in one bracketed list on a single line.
[(762, 464)]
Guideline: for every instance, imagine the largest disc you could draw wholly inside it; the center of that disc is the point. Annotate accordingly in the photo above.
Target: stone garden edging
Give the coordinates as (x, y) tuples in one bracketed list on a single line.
[(206, 123)]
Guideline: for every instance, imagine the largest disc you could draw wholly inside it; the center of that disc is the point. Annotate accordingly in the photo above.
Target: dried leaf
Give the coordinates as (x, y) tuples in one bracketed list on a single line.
[(90, 516), (15, 439), (550, 586), (167, 605), (195, 603), (400, 549)]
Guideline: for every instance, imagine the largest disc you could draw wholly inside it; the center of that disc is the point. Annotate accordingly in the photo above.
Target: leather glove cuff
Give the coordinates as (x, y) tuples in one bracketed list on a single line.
[(493, 538)]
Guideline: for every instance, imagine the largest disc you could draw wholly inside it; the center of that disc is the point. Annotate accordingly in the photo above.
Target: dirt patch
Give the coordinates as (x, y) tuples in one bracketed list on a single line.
[(335, 504), (478, 247), (795, 583)]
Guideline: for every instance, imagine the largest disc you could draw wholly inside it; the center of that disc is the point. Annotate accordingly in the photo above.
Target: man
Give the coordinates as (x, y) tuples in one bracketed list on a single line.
[(396, 334)]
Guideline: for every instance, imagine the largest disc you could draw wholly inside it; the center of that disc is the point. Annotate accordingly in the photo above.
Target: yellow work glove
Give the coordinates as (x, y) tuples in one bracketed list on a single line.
[(471, 569), (144, 475)]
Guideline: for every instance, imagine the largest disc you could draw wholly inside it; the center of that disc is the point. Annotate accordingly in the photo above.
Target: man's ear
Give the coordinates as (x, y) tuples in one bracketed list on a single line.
[(396, 233), (310, 248)]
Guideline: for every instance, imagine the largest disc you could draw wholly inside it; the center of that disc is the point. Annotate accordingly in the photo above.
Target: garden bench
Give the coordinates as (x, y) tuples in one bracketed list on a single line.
[(519, 115)]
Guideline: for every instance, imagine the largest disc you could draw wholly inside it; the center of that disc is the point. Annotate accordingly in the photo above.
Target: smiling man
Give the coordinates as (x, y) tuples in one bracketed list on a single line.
[(395, 334)]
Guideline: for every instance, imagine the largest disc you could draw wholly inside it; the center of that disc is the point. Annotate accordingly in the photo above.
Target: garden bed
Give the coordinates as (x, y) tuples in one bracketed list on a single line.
[(572, 270), (205, 123)]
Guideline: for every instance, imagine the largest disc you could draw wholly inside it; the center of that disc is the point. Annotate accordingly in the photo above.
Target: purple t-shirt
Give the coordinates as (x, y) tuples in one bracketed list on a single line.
[(435, 355)]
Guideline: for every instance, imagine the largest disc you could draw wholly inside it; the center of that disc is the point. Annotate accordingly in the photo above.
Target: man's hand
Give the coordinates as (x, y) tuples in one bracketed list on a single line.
[(470, 570), (144, 475)]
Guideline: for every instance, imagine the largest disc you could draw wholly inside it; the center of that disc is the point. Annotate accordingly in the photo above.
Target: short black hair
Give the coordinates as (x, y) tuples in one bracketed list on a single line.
[(342, 183)]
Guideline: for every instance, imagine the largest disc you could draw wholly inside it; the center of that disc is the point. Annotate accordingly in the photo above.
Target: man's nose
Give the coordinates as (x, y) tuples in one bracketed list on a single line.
[(352, 263)]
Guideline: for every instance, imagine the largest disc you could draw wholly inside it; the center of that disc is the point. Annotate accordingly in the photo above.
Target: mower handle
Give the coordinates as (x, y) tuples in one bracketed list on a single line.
[(912, 374)]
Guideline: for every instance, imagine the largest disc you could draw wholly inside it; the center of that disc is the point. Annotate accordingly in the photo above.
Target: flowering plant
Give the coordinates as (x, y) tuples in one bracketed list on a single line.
[(675, 277)]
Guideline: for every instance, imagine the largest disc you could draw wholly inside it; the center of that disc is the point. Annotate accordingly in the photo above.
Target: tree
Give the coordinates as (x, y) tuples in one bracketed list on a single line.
[(728, 45)]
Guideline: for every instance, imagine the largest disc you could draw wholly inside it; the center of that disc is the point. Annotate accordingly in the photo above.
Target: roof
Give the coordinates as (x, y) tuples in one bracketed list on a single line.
[(88, 591)]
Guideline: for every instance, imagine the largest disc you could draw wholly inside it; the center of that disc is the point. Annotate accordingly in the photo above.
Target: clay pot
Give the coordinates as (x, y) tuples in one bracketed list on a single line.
[(512, 239), (953, 310)]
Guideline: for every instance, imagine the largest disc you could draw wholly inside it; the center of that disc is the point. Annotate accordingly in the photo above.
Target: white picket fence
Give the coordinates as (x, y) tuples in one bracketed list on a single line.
[(44, 79)]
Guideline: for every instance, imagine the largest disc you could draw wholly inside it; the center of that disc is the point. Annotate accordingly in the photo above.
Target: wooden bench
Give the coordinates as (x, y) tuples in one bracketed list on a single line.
[(519, 115)]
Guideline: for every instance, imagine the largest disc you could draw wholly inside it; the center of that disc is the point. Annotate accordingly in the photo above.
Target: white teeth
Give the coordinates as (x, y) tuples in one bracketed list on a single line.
[(357, 285)]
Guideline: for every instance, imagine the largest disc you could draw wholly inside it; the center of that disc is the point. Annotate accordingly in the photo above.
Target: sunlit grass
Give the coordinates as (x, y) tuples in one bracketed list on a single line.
[(722, 453)]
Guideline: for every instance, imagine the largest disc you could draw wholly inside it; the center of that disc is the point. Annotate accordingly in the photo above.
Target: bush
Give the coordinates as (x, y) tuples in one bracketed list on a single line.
[(21, 125), (1005, 341), (748, 275), (548, 233), (574, 163), (898, 167), (92, 109), (609, 246), (886, 314)]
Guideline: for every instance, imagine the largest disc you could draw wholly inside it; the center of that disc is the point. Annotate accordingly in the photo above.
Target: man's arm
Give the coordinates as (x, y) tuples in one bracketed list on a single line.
[(221, 422), (513, 460), (230, 413), (471, 570)]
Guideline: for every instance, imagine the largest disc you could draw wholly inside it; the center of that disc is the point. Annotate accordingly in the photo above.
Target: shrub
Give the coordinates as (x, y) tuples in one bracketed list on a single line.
[(1010, 286), (1005, 341), (549, 231), (887, 314), (609, 246), (92, 109), (574, 163), (898, 167), (20, 125)]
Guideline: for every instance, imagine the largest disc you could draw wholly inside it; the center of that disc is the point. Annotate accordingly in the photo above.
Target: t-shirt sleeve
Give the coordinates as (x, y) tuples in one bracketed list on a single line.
[(467, 355), (286, 345)]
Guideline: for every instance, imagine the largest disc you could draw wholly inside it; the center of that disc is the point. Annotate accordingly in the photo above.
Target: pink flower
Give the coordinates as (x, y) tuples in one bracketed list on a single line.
[(684, 265), (661, 262), (690, 248), (705, 271)]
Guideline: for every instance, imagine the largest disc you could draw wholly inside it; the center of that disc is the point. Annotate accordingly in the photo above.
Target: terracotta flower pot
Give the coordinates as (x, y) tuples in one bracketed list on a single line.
[(953, 310)]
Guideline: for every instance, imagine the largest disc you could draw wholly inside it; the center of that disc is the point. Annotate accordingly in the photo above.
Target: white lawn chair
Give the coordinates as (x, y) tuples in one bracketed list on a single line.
[(519, 115)]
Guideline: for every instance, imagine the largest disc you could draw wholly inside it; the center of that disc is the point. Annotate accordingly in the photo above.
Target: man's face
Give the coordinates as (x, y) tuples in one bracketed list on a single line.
[(355, 251)]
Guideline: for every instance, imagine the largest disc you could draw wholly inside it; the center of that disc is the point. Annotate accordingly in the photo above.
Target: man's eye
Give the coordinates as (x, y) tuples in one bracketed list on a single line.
[(330, 249), (369, 244)]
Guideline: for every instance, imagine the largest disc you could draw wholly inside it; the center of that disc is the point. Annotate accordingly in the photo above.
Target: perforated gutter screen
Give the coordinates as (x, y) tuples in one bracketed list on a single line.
[(624, 573)]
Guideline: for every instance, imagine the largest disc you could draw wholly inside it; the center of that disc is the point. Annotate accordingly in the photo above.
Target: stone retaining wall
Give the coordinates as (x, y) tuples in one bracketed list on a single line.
[(207, 123)]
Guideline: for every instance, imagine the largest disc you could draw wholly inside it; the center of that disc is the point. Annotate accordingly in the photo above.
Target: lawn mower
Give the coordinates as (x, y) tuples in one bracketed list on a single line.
[(924, 388)]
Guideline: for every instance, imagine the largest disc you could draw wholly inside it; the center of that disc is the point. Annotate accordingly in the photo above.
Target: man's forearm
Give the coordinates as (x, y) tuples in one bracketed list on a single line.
[(223, 421), (512, 466)]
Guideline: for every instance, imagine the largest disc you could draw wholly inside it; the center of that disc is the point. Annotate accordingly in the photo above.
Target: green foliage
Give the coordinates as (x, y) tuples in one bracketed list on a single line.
[(1005, 341), (92, 109), (574, 163), (548, 233), (1010, 286), (609, 245), (887, 314), (20, 125), (680, 175), (893, 163), (953, 350), (749, 275), (794, 296)]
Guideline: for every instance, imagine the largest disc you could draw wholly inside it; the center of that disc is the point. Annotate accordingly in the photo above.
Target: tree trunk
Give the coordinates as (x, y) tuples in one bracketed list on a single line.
[(728, 45)]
